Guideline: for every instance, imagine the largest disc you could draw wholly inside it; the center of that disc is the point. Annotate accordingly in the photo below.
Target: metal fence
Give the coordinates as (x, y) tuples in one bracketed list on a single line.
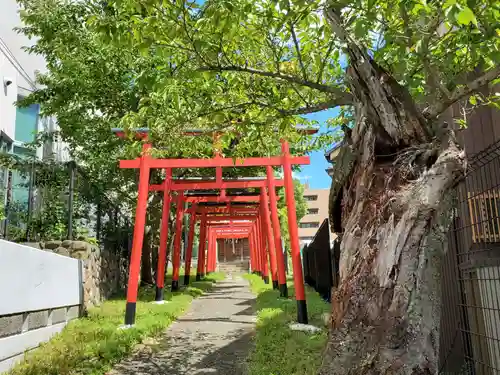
[(45, 201), (320, 263), (470, 325)]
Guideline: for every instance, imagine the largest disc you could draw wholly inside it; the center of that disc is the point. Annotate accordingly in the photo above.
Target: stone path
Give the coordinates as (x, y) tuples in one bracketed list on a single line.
[(213, 337)]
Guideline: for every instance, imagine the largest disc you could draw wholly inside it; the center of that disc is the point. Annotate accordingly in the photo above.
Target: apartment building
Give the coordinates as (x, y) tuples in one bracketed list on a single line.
[(19, 126), (317, 212)]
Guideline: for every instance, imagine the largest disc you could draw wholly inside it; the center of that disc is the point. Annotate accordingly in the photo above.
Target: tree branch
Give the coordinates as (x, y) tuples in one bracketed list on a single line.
[(431, 72), (323, 63), (312, 108), (460, 92), (406, 24), (344, 96), (297, 48)]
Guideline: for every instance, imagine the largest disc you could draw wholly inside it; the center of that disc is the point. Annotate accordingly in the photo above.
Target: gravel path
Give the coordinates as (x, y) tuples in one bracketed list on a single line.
[(213, 337)]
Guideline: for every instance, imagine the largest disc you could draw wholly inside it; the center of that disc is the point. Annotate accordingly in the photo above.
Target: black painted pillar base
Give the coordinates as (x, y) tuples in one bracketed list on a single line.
[(283, 291), (198, 277), (175, 285), (159, 294), (275, 284), (302, 312), (266, 279), (130, 313), (186, 279)]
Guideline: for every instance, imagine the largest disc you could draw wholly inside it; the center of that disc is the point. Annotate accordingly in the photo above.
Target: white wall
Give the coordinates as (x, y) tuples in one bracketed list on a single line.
[(8, 95), (40, 292), (33, 279)]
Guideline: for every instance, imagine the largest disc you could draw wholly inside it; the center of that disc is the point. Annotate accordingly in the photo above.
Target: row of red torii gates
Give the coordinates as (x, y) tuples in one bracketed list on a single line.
[(252, 216)]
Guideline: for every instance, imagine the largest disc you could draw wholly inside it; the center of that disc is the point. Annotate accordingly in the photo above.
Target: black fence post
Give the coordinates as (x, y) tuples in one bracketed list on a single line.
[(304, 263), (71, 192), (7, 206), (30, 201)]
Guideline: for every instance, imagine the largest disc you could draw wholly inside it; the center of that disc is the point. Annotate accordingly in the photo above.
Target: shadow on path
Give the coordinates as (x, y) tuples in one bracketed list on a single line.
[(213, 337)]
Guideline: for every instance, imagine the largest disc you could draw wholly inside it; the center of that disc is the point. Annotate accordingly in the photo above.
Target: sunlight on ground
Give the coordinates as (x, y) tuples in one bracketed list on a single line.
[(278, 350), (91, 345)]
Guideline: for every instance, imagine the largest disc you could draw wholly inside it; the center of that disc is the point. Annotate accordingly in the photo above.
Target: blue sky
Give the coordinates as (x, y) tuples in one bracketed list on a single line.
[(315, 173)]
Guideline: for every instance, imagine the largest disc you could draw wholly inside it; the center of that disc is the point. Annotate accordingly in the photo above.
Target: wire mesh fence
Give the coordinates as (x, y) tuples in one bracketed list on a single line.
[(470, 325)]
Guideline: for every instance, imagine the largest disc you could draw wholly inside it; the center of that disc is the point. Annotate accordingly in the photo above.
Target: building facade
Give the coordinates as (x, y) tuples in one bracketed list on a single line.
[(317, 212), (19, 126)]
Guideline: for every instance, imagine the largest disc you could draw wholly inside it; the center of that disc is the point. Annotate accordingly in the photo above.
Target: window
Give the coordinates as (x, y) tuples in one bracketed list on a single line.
[(312, 224), (20, 181), (484, 211), (26, 123), (312, 211), (311, 197)]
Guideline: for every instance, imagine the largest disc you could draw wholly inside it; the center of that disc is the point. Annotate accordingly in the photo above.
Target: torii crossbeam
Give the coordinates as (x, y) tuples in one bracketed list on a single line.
[(264, 231)]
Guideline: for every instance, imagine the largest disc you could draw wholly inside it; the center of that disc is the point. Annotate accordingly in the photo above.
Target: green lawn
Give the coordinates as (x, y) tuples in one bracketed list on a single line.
[(279, 350), (92, 345)]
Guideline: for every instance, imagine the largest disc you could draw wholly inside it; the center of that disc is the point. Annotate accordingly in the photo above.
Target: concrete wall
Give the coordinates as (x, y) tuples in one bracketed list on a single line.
[(40, 292)]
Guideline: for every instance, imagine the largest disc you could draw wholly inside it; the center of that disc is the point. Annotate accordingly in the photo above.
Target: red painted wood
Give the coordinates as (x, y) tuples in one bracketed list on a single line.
[(262, 245), (205, 185), (189, 250), (140, 223), (292, 224), (176, 259), (268, 231), (232, 236), (215, 162), (162, 253), (228, 217), (201, 246), (216, 199), (280, 260)]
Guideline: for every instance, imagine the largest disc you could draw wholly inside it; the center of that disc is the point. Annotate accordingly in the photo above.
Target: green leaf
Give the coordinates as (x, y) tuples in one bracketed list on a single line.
[(449, 3), (466, 17)]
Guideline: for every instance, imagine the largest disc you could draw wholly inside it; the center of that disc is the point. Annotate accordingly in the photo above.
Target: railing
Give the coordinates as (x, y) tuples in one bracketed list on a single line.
[(470, 322)]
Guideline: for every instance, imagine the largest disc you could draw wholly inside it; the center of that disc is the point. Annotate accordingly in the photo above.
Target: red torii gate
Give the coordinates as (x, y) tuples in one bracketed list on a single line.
[(145, 163), (211, 214)]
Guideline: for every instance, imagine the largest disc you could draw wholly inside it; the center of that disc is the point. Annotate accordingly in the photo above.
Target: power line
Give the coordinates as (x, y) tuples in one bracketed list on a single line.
[(15, 62)]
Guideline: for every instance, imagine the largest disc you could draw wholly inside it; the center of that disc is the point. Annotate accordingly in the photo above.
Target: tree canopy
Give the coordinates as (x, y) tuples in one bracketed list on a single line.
[(252, 69)]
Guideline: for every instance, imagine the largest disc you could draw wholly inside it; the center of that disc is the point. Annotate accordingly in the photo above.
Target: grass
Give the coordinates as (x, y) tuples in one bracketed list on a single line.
[(278, 350), (92, 345)]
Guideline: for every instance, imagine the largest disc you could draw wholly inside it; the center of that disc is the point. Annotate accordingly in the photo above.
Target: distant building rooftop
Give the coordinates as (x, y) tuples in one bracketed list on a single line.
[(333, 152)]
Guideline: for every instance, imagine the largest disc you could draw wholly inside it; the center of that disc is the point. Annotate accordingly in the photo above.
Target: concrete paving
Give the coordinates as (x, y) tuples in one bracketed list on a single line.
[(213, 337)]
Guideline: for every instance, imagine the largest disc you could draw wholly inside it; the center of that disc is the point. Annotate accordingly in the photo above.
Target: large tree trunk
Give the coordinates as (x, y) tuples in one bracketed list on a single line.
[(391, 200)]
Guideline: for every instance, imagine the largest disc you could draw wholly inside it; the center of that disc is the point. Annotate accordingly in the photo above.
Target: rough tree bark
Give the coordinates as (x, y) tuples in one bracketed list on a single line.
[(391, 200)]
